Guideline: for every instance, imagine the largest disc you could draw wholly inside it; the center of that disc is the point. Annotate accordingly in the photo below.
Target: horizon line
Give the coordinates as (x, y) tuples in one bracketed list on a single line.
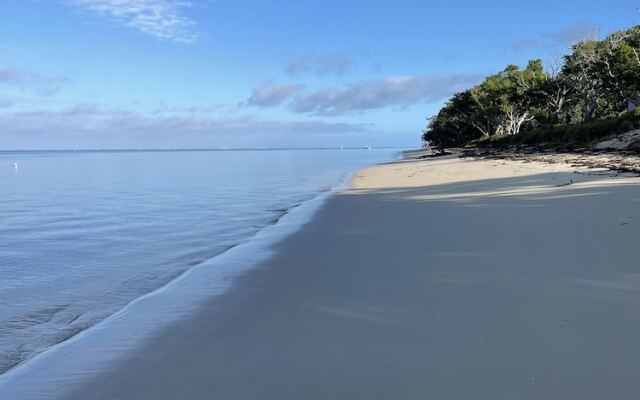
[(204, 149)]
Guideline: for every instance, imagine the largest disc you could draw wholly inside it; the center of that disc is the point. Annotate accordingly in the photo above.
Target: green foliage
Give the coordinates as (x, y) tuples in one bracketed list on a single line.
[(598, 81), (451, 126)]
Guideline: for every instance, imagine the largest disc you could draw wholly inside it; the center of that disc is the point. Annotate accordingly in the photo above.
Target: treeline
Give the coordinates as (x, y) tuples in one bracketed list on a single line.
[(599, 79)]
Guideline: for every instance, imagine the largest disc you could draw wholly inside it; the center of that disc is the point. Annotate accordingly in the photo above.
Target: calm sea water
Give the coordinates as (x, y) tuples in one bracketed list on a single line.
[(82, 234)]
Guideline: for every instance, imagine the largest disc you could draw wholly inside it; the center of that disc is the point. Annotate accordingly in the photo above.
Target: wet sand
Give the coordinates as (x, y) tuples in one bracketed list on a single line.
[(438, 279)]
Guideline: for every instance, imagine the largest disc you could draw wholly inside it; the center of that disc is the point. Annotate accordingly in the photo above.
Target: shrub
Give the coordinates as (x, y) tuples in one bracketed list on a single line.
[(568, 136)]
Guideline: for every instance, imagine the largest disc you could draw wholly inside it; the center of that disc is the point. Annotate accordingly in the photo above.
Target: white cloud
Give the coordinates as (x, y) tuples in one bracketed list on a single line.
[(560, 38), (5, 103), (376, 94), (269, 95), (163, 19), (30, 81)]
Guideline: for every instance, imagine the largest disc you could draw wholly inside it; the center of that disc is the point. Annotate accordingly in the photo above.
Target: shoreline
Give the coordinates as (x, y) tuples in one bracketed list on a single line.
[(76, 358), (418, 278)]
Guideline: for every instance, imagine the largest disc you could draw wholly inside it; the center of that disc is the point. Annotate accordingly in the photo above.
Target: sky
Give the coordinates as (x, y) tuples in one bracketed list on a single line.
[(114, 74)]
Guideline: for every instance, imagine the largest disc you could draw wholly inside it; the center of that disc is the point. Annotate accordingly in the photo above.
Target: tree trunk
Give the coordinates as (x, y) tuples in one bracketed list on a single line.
[(589, 110), (633, 103)]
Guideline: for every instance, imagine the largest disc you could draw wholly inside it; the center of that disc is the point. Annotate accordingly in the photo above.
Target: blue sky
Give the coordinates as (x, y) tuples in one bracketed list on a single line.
[(221, 73)]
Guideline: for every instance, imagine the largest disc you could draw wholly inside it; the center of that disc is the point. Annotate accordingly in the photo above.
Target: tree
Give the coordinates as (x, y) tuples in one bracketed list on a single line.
[(582, 68), (453, 125), (555, 95), (526, 95), (621, 63), (507, 101)]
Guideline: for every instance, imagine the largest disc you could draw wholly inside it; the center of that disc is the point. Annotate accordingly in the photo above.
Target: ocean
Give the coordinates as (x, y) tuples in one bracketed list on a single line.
[(85, 233)]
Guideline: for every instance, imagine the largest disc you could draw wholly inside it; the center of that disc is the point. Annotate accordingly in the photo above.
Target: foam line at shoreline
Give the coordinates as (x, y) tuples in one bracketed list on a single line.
[(97, 348)]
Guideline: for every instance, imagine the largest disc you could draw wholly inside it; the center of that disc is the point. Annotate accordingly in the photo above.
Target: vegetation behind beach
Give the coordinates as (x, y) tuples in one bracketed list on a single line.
[(590, 93)]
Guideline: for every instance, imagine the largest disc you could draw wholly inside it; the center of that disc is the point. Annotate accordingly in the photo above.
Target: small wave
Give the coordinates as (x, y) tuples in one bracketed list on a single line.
[(14, 359)]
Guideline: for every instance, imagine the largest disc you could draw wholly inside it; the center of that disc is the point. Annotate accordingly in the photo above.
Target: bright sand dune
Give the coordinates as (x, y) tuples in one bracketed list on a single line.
[(443, 279)]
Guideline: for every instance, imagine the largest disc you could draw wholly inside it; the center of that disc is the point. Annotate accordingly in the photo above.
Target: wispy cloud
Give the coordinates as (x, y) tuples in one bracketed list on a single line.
[(574, 33), (30, 81), (5, 103), (376, 94), (162, 19), (89, 119), (560, 38), (269, 94), (320, 65)]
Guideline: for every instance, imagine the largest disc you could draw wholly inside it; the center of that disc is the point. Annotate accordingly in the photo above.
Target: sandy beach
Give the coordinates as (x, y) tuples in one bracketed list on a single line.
[(436, 279)]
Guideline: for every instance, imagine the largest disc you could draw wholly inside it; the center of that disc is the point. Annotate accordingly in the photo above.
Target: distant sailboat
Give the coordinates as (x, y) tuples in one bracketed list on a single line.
[(368, 147), (15, 165)]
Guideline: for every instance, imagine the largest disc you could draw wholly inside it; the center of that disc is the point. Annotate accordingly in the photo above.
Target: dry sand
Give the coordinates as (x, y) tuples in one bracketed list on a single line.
[(439, 279)]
